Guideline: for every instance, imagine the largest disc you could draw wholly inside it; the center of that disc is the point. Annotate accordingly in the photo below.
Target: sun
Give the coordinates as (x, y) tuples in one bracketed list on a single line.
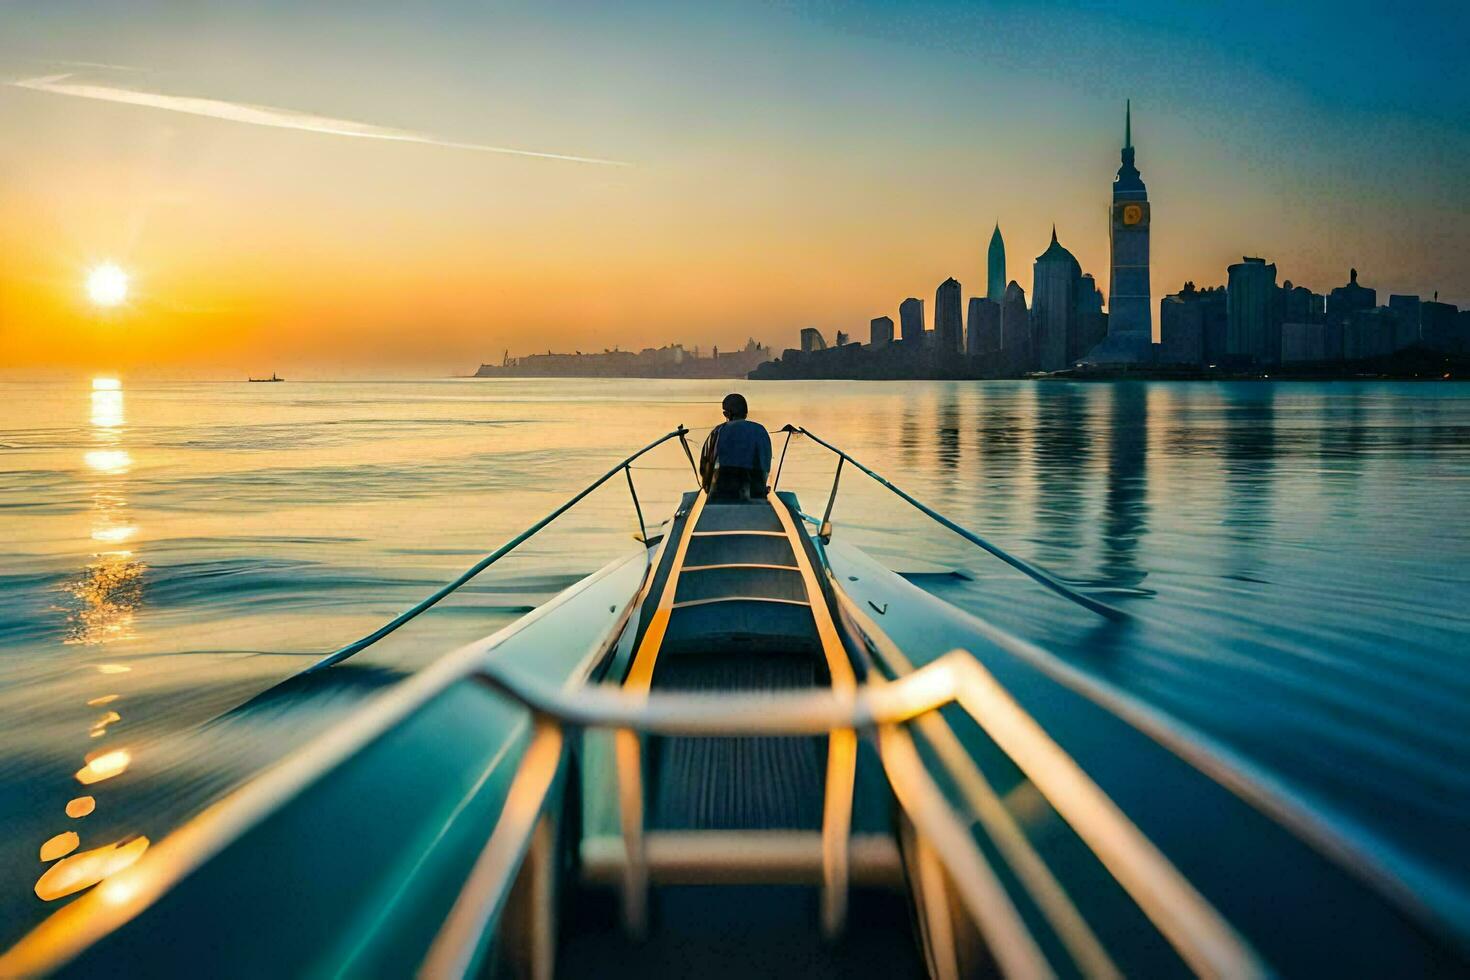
[(107, 285)]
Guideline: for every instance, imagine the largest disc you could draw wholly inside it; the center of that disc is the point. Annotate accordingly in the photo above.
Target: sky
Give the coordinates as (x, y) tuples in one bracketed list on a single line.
[(385, 188)]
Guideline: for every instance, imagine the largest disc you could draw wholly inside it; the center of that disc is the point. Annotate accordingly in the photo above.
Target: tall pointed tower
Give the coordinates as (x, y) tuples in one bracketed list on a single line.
[(995, 278), (1130, 315)]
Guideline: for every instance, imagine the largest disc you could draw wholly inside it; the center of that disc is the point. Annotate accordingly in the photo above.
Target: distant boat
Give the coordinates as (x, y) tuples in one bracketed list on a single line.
[(267, 380)]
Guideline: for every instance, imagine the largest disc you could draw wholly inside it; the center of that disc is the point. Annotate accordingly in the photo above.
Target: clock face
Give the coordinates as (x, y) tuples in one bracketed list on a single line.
[(1130, 214)]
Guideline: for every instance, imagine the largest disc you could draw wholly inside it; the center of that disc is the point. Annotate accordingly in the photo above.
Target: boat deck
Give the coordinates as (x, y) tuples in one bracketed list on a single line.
[(735, 823), (731, 610), (700, 933)]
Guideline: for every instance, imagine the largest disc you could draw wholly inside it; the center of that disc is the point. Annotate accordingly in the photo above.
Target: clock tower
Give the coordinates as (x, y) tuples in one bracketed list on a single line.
[(1130, 315)]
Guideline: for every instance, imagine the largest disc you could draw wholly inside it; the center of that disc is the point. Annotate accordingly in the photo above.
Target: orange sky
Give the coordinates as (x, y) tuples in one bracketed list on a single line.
[(782, 174)]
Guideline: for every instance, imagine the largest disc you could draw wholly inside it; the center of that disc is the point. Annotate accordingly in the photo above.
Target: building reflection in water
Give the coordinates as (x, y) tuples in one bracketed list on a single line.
[(1248, 454), (912, 435), (1343, 445), (952, 406), (1125, 509), (104, 600), (1061, 449), (1004, 430)]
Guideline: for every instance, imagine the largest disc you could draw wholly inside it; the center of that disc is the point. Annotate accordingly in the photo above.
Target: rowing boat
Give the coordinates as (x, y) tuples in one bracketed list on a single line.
[(750, 749)]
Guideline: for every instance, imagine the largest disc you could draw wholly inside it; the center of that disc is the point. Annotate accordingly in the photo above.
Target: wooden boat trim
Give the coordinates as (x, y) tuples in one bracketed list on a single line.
[(741, 564), (838, 666), (640, 674), (841, 742)]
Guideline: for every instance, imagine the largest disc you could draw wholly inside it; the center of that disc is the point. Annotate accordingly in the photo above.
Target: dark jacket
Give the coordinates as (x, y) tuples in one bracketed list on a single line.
[(735, 460)]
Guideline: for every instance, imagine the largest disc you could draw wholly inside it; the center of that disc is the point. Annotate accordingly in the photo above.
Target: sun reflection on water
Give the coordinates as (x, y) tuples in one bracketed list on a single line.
[(60, 845), (80, 807), (107, 406), (112, 462), (105, 599), (108, 593), (104, 766), (72, 874)]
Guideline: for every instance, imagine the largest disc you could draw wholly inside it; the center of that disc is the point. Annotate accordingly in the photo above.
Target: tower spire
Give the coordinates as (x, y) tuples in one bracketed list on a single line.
[(1128, 124), (1053, 232)]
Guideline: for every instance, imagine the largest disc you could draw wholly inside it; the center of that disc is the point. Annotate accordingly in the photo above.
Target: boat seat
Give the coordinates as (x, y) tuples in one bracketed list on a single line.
[(747, 515), (737, 628), (726, 549), (738, 580)]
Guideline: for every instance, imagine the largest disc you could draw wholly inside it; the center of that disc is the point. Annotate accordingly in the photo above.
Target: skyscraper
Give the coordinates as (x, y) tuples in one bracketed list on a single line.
[(1344, 301), (1054, 287), (1253, 330), (1130, 316), (995, 268), (1406, 319), (949, 325), (1015, 330), (1192, 326), (1091, 324), (982, 326), (911, 321), (880, 331)]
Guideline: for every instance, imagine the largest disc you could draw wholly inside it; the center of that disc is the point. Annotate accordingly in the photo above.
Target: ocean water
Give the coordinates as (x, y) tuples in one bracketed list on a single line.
[(1296, 556)]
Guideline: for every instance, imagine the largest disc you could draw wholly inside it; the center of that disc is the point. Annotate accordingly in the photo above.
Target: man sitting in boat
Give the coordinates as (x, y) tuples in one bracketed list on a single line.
[(736, 456)]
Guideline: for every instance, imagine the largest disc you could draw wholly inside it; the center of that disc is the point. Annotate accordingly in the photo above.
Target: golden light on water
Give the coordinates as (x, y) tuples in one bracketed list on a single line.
[(108, 461), (113, 535), (60, 845), (112, 669), (99, 727), (104, 603), (107, 285), (72, 874), (80, 807), (104, 766), (104, 699), (107, 404)]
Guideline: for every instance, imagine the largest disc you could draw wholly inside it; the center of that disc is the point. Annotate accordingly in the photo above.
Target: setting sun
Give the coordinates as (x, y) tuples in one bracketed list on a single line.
[(107, 285)]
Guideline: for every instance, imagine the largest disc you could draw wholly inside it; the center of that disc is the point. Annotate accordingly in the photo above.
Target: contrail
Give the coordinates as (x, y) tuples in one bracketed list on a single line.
[(260, 115)]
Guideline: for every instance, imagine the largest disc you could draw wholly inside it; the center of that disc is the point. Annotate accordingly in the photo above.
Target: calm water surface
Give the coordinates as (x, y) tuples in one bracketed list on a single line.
[(1297, 558)]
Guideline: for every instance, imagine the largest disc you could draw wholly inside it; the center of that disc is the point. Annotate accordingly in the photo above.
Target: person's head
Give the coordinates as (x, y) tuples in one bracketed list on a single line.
[(734, 406)]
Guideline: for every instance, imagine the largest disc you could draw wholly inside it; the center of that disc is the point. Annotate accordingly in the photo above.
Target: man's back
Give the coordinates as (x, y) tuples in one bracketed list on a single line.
[(735, 460), (744, 444)]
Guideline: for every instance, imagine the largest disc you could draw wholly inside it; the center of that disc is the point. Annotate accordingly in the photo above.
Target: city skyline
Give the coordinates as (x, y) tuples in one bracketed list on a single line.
[(752, 203), (1247, 327)]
